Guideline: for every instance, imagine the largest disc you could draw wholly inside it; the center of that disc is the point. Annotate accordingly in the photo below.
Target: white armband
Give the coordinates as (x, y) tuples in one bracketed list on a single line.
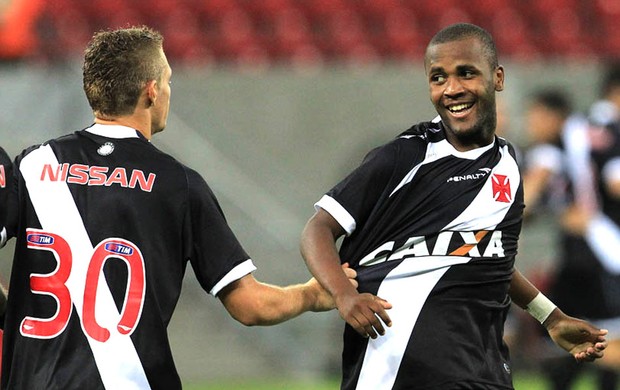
[(540, 307)]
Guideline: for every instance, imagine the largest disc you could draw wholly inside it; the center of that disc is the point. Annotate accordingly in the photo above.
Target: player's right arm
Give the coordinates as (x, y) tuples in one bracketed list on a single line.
[(365, 312)]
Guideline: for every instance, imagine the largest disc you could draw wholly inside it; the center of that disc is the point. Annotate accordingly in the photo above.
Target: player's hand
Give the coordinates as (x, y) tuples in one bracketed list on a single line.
[(323, 300), (366, 313), (581, 339)]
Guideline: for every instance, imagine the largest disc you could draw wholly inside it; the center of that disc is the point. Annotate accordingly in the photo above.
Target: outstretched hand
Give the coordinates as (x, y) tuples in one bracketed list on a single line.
[(581, 339)]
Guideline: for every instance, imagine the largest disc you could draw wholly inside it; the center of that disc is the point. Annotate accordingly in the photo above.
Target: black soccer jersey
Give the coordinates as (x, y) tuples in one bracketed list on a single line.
[(434, 231), (106, 227)]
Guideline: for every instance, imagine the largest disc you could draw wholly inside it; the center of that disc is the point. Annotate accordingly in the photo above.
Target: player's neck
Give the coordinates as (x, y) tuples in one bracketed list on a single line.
[(128, 121)]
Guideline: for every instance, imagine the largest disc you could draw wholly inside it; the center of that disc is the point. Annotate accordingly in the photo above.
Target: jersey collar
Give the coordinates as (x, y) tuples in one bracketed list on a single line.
[(113, 131)]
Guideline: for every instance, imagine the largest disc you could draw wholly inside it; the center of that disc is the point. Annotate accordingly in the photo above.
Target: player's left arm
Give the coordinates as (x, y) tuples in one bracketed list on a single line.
[(581, 339), (252, 302)]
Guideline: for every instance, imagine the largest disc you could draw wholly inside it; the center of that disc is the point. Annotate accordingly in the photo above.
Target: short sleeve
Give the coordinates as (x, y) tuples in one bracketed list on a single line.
[(352, 200), (215, 254)]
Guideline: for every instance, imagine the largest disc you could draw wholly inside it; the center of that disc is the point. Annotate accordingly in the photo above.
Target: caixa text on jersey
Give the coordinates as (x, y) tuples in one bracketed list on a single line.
[(483, 243), (92, 175)]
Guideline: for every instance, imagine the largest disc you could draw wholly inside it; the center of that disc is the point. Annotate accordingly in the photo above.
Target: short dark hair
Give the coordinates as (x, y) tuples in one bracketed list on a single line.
[(117, 65), (460, 31), (553, 99)]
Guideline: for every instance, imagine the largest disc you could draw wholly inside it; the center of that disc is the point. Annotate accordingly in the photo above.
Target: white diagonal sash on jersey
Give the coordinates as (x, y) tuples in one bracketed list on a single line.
[(384, 354), (117, 359)]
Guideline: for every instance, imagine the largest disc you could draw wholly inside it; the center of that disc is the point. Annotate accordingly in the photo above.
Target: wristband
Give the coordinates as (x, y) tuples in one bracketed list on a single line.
[(540, 307)]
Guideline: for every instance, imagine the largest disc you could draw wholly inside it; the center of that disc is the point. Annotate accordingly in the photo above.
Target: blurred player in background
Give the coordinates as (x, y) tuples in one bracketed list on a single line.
[(106, 226), (607, 109), (432, 221), (592, 227), (544, 177), (552, 180)]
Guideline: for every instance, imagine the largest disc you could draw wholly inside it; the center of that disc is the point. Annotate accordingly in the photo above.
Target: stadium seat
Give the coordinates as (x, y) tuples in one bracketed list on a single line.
[(482, 11), (399, 37), (512, 35), (564, 35), (65, 30), (183, 38), (265, 11), (344, 31), (375, 11), (289, 30), (451, 15), (428, 13), (212, 10), (319, 10), (232, 34)]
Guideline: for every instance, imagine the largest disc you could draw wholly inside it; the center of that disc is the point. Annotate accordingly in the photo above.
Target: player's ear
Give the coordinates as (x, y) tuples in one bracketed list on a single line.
[(498, 78), (151, 93)]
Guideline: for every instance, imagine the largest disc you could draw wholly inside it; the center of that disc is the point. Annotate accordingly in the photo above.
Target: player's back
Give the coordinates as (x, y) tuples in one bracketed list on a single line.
[(100, 257)]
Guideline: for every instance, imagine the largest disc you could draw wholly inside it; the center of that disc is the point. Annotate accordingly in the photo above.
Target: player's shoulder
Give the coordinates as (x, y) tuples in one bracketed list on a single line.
[(417, 137), (421, 134), (408, 145), (422, 130), (56, 142)]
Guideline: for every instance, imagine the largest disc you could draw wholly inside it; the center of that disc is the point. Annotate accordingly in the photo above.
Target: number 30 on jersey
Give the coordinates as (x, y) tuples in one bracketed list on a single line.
[(55, 284)]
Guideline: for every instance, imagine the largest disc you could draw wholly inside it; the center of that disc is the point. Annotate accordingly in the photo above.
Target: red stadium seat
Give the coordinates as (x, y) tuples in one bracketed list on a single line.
[(399, 37), (511, 35), (211, 10), (564, 36), (66, 31), (428, 13), (289, 30), (154, 11), (265, 11), (542, 8), (482, 10), (124, 18), (183, 38), (233, 33), (375, 11), (453, 15), (344, 32), (318, 10)]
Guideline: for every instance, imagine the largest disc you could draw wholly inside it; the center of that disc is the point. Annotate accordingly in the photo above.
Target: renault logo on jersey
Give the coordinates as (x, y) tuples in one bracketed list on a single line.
[(501, 188)]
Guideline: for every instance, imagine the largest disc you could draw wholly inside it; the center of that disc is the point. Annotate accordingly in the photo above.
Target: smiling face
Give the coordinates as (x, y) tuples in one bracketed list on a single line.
[(462, 85)]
